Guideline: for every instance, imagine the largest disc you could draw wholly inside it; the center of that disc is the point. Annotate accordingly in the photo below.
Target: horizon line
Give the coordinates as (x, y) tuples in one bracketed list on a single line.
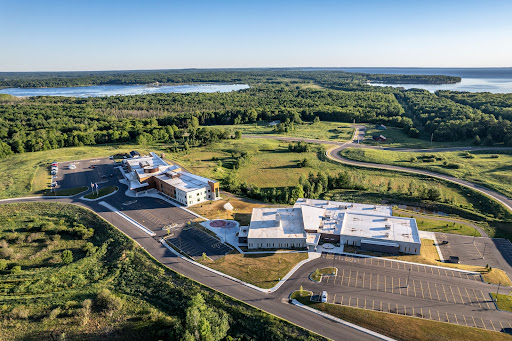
[(266, 68)]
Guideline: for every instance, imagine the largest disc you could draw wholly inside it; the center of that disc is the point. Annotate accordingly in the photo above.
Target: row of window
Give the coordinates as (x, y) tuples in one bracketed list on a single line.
[(275, 245)]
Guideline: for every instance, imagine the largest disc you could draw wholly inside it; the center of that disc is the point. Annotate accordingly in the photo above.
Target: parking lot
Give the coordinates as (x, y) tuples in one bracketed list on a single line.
[(194, 242), (474, 251), (100, 171), (157, 214), (505, 248), (410, 289)]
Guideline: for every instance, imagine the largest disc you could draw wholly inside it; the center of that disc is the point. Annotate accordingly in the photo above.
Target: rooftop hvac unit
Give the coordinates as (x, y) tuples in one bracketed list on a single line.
[(374, 207), (388, 226)]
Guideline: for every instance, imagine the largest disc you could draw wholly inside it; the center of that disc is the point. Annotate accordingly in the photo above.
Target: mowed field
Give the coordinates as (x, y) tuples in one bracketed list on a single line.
[(396, 137), (336, 131), (489, 168), (262, 270), (271, 165)]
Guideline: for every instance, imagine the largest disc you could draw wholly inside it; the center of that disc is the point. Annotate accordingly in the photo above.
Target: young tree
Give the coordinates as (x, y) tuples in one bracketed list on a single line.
[(67, 257)]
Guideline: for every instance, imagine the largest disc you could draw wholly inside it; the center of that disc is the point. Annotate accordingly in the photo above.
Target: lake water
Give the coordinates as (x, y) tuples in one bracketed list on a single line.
[(496, 80), (494, 85), (114, 90)]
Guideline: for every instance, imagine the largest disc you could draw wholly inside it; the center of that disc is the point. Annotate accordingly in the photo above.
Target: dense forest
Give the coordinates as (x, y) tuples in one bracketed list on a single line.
[(42, 123), (448, 120), (250, 76), (495, 104)]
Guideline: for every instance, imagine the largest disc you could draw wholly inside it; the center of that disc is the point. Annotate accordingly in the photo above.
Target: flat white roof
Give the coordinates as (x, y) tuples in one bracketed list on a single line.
[(276, 223), (385, 228), (345, 206), (152, 161), (368, 222), (185, 181)]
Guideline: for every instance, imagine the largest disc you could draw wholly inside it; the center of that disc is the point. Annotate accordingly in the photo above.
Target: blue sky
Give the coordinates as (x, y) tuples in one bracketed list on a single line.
[(113, 35)]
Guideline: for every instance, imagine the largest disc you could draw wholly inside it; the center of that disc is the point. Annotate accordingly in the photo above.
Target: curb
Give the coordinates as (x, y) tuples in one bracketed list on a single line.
[(104, 196), (406, 262), (496, 304), (124, 216), (340, 321), (252, 286)]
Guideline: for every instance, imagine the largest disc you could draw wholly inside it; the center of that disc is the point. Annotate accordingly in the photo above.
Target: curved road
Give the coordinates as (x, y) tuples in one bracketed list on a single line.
[(275, 303), (334, 154)]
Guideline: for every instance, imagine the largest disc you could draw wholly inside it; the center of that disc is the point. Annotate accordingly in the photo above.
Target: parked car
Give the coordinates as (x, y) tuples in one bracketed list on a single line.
[(323, 297), (444, 242), (92, 167), (54, 172), (53, 184), (72, 166)]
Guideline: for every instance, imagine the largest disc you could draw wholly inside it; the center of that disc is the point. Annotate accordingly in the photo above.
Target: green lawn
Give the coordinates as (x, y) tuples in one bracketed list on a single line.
[(491, 169), (396, 137), (504, 301), (262, 270), (301, 294), (272, 165), (69, 191), (335, 131), (102, 192), (317, 275), (109, 289), (433, 225), (402, 327)]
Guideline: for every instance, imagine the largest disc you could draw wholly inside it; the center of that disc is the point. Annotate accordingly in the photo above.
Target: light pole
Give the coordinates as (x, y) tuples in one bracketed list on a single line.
[(333, 271), (408, 277), (499, 283), (483, 254)]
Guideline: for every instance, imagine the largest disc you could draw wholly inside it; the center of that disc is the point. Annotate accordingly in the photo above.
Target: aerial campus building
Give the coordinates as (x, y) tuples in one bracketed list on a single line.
[(309, 222), (147, 172)]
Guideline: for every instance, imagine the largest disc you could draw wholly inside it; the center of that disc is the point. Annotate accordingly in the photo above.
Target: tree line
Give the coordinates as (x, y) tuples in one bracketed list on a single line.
[(251, 76)]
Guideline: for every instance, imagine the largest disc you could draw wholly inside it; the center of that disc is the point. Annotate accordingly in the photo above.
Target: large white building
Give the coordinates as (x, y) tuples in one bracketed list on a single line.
[(153, 172), (370, 227)]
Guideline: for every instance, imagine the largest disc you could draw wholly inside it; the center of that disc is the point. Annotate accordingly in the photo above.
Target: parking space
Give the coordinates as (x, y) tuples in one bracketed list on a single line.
[(418, 288), (431, 313), (410, 289), (470, 250), (159, 216), (83, 172), (387, 263), (153, 213), (195, 242), (505, 247)]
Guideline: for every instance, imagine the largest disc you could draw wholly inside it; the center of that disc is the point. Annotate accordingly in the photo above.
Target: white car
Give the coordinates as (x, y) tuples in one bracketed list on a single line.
[(54, 184), (323, 297), (72, 166)]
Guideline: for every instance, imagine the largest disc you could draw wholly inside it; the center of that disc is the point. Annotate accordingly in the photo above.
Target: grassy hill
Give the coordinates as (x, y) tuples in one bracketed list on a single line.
[(109, 288)]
